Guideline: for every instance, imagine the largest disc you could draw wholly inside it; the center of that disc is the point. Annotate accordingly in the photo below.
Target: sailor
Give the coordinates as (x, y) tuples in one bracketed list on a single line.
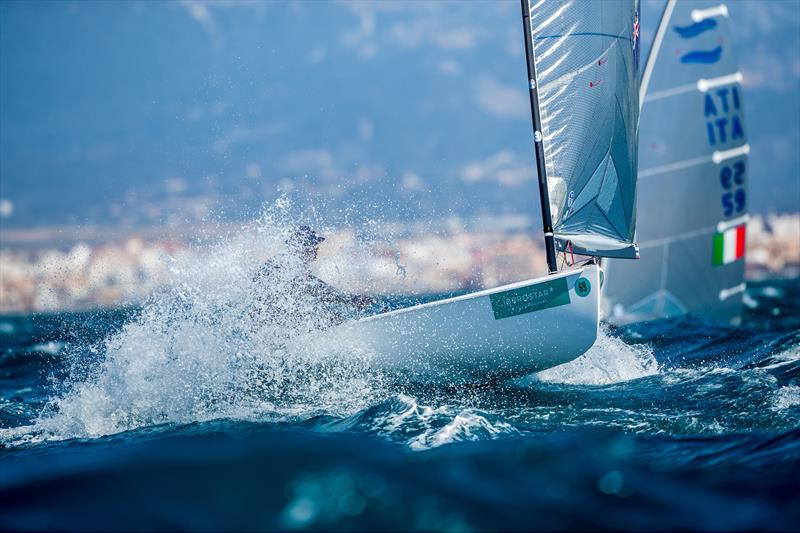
[(285, 284)]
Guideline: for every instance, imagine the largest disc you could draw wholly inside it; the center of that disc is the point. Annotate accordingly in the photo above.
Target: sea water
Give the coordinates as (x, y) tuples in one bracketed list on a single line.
[(192, 412)]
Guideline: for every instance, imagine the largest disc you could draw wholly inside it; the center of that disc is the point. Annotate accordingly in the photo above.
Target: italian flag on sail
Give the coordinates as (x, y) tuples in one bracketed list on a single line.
[(729, 245)]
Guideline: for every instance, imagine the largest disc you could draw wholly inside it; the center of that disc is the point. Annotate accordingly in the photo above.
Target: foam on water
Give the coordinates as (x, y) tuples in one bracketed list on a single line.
[(209, 347), (402, 418), (467, 425), (787, 397), (609, 361)]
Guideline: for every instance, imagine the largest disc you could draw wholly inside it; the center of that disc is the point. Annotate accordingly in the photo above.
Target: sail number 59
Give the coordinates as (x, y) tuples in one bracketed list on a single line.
[(734, 199)]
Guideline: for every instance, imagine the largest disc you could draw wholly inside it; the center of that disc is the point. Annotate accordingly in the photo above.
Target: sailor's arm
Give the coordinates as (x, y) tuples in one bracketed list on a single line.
[(330, 294)]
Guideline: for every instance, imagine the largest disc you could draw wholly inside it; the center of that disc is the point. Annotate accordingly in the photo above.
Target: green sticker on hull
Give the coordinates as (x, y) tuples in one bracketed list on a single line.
[(583, 287), (531, 298)]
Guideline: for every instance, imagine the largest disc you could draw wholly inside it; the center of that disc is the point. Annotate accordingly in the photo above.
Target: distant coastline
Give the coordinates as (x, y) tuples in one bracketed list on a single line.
[(74, 270)]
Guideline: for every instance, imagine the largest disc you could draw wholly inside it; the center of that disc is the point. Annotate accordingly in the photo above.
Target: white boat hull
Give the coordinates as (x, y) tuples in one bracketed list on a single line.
[(499, 333)]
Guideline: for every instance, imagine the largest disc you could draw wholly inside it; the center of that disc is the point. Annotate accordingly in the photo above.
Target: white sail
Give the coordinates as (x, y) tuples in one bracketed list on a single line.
[(586, 62), (692, 193)]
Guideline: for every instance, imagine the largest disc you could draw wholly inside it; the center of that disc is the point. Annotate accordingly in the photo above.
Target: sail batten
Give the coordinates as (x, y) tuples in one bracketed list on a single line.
[(585, 55)]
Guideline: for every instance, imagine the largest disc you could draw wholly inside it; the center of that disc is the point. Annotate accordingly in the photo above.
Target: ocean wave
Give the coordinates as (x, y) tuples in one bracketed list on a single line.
[(610, 360)]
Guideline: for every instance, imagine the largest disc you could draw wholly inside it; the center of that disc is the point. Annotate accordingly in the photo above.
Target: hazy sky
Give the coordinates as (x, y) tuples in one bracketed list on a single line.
[(141, 112)]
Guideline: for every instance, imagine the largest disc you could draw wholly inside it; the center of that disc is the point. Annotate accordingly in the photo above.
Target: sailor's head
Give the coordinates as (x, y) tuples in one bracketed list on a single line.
[(305, 242)]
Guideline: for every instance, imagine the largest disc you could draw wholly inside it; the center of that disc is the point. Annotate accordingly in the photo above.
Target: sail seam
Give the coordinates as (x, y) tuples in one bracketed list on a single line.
[(675, 91), (675, 166), (675, 238), (702, 85), (583, 34), (717, 157)]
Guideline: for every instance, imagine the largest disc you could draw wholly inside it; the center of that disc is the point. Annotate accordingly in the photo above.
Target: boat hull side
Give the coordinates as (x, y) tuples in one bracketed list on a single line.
[(501, 333)]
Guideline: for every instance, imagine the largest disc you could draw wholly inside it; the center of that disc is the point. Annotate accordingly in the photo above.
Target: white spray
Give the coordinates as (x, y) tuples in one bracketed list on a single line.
[(208, 348)]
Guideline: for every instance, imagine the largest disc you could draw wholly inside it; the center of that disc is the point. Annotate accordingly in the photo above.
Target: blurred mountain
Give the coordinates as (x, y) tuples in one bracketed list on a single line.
[(151, 112)]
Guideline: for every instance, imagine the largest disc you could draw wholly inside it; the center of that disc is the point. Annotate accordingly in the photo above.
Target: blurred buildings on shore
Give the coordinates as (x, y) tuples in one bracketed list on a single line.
[(773, 246), (96, 273), (84, 276)]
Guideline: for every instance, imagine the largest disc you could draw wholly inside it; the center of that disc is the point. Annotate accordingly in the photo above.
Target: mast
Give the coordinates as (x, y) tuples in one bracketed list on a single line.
[(544, 194), (652, 55)]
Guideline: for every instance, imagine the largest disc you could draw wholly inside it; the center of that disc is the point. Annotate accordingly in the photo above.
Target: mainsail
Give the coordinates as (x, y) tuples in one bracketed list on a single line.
[(586, 62), (693, 175)]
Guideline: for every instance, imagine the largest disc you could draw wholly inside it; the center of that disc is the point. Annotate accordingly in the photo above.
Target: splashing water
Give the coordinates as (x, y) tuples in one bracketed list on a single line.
[(215, 346), (609, 361)]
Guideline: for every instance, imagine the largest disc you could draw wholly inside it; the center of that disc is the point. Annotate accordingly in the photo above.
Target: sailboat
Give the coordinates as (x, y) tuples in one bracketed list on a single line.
[(582, 78), (692, 191)]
